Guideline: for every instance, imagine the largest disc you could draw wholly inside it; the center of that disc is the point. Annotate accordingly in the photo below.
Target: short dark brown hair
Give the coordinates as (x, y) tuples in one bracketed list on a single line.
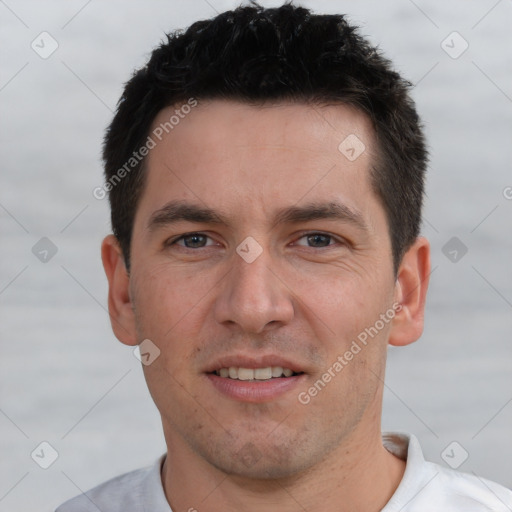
[(254, 54)]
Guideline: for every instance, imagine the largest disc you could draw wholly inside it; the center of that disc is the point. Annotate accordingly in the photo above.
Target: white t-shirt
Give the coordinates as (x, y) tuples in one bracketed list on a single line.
[(425, 487)]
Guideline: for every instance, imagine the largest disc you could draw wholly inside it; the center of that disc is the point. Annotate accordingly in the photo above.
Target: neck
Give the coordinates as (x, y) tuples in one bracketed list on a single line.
[(360, 475)]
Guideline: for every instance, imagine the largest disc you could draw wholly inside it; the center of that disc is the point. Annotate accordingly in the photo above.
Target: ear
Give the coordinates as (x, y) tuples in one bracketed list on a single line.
[(120, 307), (411, 292)]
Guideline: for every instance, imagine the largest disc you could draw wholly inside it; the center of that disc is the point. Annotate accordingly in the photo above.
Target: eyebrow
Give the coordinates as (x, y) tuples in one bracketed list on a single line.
[(176, 211), (318, 211)]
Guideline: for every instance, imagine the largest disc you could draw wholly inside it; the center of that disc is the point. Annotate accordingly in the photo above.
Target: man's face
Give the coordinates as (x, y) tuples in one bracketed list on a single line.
[(258, 244)]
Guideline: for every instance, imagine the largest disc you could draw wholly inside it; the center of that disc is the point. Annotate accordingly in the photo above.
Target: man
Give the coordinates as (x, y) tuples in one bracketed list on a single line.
[(265, 173)]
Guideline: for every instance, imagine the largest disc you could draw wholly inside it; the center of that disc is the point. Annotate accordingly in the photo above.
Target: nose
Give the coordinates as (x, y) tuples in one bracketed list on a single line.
[(254, 297)]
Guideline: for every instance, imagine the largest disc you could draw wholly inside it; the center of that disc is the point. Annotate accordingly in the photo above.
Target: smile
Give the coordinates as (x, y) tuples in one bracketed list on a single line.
[(267, 373)]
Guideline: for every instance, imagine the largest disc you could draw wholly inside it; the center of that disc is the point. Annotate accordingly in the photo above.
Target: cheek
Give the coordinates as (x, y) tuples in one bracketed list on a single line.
[(167, 307), (344, 312), (343, 300)]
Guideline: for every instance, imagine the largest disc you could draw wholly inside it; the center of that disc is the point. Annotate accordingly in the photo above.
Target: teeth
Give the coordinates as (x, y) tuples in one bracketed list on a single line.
[(266, 373), (277, 371), (245, 374), (262, 373)]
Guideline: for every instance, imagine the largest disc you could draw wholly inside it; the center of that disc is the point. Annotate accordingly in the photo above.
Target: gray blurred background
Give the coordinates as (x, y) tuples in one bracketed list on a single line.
[(64, 378)]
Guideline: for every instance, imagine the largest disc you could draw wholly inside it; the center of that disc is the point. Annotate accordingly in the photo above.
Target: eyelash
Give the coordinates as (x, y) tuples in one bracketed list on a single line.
[(303, 235)]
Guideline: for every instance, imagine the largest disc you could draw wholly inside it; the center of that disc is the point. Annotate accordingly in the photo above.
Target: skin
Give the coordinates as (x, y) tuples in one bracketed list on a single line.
[(304, 298)]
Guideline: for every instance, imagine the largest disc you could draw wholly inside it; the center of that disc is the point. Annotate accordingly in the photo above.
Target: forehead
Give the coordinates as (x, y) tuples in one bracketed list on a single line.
[(235, 154)]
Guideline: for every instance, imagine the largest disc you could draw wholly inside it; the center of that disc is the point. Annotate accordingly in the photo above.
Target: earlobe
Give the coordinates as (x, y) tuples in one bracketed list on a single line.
[(410, 292), (120, 307)]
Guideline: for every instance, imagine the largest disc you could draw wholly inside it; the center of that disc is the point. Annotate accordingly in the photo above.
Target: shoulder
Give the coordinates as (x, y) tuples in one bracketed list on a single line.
[(464, 491), (426, 486), (124, 493)]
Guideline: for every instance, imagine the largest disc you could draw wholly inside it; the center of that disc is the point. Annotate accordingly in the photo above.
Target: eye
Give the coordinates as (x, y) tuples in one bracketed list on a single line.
[(193, 241), (316, 240)]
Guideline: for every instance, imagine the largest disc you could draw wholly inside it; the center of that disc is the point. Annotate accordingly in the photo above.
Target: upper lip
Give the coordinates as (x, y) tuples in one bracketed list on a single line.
[(253, 362)]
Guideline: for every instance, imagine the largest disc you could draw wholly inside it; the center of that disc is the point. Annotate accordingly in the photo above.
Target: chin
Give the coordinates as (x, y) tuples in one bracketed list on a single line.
[(262, 470), (262, 459)]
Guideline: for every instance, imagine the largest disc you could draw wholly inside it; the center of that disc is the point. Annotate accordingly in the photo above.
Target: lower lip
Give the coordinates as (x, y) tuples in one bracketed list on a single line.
[(255, 390)]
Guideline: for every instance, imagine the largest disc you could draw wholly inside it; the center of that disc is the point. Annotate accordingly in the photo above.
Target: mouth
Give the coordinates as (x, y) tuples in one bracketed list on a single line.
[(255, 374), (254, 379)]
